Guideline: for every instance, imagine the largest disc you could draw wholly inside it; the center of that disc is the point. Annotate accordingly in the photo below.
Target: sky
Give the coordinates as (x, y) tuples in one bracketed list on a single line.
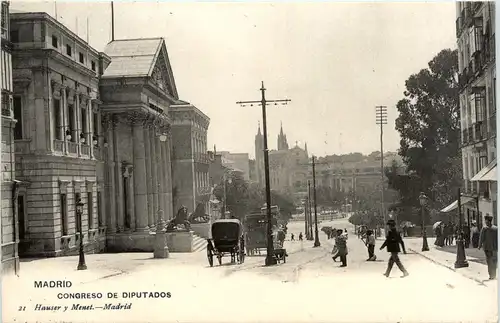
[(335, 61)]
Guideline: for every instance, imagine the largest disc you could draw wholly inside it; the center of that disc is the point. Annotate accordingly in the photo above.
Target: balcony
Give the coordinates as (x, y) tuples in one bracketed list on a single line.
[(85, 150), (58, 145), (202, 158), (492, 126), (480, 132), (72, 147)]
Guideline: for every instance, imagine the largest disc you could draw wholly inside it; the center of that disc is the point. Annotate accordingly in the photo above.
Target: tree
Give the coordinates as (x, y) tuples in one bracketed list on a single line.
[(428, 124), (237, 192)]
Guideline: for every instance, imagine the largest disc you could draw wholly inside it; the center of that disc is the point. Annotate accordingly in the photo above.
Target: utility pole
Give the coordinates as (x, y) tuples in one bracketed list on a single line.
[(316, 236), (270, 259), (309, 207), (381, 119)]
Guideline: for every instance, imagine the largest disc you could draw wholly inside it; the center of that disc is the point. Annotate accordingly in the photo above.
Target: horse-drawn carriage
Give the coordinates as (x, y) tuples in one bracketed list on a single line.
[(227, 238)]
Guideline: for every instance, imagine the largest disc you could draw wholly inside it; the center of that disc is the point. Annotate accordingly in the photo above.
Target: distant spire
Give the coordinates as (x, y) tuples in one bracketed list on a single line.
[(215, 150), (258, 131), (305, 148), (281, 130)]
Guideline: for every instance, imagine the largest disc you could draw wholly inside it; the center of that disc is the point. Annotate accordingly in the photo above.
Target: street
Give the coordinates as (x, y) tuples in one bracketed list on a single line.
[(309, 287)]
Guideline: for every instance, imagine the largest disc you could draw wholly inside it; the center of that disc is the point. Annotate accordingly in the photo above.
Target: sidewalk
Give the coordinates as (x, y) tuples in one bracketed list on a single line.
[(446, 256)]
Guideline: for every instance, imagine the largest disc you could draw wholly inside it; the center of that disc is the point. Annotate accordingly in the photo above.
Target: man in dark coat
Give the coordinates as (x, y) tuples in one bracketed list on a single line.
[(489, 242), (392, 242)]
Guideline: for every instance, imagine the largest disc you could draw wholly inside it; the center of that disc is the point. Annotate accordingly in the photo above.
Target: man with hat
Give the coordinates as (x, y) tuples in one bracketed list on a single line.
[(488, 240), (392, 241)]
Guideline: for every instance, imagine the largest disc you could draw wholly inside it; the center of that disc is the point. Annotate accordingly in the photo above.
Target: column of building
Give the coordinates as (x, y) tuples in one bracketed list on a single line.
[(168, 164), (149, 186), (110, 174), (164, 174), (154, 171), (120, 211), (161, 174), (90, 125)]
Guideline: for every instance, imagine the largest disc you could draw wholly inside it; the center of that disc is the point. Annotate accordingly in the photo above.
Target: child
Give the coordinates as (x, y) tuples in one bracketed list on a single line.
[(370, 243)]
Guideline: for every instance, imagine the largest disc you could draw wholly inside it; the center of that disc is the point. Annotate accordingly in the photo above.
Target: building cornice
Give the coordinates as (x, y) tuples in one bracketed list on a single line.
[(43, 16)]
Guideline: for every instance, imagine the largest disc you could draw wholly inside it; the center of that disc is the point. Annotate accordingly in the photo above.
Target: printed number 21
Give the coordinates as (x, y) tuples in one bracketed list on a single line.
[(22, 308)]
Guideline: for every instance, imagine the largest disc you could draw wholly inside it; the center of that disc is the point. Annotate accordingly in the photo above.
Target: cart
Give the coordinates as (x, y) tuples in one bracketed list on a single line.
[(227, 239)]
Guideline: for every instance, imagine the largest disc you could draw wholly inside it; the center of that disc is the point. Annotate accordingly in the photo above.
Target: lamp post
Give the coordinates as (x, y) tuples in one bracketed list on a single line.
[(81, 258), (309, 213), (225, 193), (461, 261), (316, 235), (423, 203)]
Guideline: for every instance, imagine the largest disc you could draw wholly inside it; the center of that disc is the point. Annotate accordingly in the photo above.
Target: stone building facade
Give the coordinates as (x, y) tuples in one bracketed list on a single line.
[(137, 90), (190, 163), (57, 146), (10, 187), (475, 26)]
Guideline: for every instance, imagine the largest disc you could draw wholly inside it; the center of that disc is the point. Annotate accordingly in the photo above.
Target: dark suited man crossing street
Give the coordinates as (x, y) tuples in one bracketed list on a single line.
[(392, 241)]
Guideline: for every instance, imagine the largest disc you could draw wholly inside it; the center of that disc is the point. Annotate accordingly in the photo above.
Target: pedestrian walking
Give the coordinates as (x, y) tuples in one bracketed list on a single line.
[(488, 240), (392, 241), (293, 237), (341, 244), (300, 236), (370, 243), (475, 235)]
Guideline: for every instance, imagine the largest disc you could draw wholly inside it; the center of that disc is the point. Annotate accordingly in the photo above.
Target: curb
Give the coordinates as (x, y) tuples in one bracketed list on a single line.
[(477, 280)]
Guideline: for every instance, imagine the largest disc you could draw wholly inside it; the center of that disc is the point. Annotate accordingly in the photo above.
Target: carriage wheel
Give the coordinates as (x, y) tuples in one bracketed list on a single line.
[(233, 256), (284, 256), (210, 257)]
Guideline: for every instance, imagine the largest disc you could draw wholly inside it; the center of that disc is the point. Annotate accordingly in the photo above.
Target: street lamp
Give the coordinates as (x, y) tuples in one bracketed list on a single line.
[(461, 260), (423, 203), (81, 258), (68, 135), (225, 194)]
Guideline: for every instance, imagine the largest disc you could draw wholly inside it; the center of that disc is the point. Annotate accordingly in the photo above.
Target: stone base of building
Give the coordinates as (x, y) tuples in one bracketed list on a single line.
[(130, 242), (180, 241), (10, 266), (202, 229), (94, 242)]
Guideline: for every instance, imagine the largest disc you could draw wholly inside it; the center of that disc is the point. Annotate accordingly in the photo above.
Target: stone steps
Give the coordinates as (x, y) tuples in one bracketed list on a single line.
[(199, 244)]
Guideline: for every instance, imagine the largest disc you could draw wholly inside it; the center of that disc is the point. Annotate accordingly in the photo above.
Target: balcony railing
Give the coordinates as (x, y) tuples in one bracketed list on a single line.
[(72, 147), (492, 126), (85, 150), (97, 153), (202, 158), (58, 145), (480, 131)]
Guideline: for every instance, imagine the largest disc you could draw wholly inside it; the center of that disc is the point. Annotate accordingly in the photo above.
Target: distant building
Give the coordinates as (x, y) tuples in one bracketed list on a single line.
[(10, 187), (252, 170), (288, 167), (237, 161), (475, 26), (190, 162)]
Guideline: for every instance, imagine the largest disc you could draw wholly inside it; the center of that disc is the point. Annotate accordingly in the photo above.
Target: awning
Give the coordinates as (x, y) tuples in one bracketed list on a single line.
[(490, 172), (454, 205)]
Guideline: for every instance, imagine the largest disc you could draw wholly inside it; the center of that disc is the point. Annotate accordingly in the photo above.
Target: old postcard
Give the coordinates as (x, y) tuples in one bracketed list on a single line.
[(248, 162)]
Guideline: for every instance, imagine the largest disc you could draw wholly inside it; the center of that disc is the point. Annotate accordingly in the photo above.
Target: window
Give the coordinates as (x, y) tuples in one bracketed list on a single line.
[(64, 214), (14, 36), (90, 203), (18, 115), (95, 125), (83, 113), (99, 214), (68, 50), (21, 216), (77, 218), (55, 42), (81, 58), (57, 119), (71, 116), (93, 65), (5, 18)]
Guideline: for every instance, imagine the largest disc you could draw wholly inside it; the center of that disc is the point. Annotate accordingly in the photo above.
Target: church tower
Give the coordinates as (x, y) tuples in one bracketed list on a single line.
[(259, 156), (282, 142)]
